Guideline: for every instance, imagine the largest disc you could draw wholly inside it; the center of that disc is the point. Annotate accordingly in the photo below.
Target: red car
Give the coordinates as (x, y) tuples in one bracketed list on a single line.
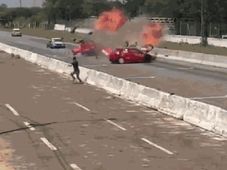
[(127, 55), (85, 48)]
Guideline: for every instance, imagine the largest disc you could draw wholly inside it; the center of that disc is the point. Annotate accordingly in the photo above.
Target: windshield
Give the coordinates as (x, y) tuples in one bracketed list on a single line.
[(57, 40)]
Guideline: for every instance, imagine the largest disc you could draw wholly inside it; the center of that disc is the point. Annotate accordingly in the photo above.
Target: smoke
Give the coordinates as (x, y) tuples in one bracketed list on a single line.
[(152, 34), (111, 20), (132, 31)]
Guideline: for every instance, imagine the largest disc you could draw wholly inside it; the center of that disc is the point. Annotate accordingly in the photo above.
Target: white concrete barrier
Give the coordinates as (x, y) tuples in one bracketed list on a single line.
[(220, 123), (84, 30), (173, 105), (218, 42), (200, 114), (182, 39), (59, 27), (191, 57)]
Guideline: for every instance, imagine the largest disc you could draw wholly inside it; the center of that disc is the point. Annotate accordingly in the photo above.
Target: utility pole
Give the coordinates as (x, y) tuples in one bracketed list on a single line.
[(203, 22)]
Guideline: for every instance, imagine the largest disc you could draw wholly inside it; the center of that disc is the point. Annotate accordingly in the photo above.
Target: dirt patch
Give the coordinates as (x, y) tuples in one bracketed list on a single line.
[(6, 155)]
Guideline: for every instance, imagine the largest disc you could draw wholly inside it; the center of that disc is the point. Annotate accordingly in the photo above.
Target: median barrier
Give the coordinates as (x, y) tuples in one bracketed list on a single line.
[(172, 105), (200, 114), (220, 123), (150, 97), (115, 85)]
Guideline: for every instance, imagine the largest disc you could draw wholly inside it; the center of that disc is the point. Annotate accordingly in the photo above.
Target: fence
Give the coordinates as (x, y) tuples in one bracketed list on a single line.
[(193, 28)]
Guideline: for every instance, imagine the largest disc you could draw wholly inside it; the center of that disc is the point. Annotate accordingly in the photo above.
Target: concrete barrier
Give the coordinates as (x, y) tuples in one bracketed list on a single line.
[(173, 105), (191, 57), (183, 39), (59, 27), (220, 123), (218, 42), (200, 114)]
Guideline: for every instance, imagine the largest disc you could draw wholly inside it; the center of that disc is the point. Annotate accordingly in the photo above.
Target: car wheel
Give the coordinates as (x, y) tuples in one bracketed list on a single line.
[(121, 60), (113, 62), (147, 58)]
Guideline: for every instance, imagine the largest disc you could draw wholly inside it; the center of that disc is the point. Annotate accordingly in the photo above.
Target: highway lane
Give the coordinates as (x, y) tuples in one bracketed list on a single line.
[(47, 122), (204, 84)]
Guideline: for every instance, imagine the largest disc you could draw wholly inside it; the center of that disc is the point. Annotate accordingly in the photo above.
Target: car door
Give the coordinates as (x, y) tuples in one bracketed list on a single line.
[(126, 55), (135, 55)]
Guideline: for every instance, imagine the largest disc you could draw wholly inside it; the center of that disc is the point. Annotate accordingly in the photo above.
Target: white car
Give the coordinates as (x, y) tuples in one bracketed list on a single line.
[(16, 32), (56, 43)]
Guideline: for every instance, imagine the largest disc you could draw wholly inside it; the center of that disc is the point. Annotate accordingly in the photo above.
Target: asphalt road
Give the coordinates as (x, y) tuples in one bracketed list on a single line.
[(49, 123), (198, 83)]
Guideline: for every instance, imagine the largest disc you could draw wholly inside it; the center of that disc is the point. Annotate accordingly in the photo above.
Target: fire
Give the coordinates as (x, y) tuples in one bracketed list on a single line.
[(111, 20), (152, 34)]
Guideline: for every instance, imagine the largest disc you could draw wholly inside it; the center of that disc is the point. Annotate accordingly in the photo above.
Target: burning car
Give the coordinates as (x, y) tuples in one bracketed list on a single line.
[(127, 55), (147, 48), (84, 48)]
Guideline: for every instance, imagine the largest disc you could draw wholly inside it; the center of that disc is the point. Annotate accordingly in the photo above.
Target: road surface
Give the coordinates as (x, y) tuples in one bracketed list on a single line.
[(49, 123)]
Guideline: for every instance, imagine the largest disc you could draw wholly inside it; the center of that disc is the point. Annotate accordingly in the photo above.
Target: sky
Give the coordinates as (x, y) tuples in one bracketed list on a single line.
[(25, 3)]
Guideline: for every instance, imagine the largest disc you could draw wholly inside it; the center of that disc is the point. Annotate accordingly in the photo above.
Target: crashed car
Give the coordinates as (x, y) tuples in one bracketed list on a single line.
[(127, 55), (84, 48), (56, 43), (16, 32), (147, 48)]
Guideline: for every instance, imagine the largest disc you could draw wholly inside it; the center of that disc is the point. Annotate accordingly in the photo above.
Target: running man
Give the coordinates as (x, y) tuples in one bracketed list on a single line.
[(76, 70)]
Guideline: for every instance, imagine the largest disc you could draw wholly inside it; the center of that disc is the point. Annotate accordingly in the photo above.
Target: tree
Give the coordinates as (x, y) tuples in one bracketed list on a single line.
[(203, 11), (3, 6), (160, 8), (133, 7)]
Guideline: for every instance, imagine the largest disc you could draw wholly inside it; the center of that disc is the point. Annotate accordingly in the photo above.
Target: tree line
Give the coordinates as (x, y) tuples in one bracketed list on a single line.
[(214, 11)]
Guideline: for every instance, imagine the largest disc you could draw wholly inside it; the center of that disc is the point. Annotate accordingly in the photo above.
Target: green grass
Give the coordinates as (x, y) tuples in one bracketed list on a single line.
[(194, 48), (69, 37)]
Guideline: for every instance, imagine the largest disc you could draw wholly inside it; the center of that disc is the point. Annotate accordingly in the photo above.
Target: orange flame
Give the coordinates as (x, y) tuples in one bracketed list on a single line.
[(152, 34), (111, 20)]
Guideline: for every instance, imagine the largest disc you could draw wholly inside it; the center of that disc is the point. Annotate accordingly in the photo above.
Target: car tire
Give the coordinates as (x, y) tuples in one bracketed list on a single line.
[(113, 62), (147, 58), (121, 61)]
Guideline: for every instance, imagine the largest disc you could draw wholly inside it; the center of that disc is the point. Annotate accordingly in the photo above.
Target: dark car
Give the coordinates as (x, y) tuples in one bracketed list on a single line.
[(128, 55)]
